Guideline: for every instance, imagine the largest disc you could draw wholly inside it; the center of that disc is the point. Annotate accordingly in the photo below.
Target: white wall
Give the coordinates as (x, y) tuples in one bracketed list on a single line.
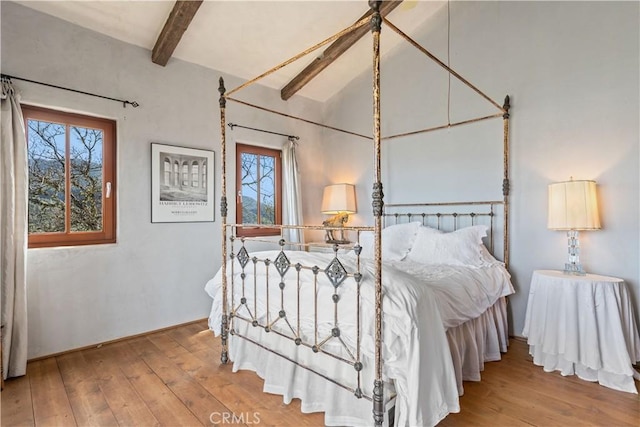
[(572, 71), (154, 275)]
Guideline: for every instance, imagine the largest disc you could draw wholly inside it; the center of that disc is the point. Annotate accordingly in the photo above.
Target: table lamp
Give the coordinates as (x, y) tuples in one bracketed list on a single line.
[(573, 207), (338, 200)]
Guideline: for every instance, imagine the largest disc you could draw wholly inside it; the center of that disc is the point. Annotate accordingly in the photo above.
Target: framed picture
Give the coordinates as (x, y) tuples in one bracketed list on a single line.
[(181, 184)]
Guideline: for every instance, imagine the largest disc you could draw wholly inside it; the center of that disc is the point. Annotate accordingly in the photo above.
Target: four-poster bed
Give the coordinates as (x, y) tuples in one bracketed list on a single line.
[(376, 319)]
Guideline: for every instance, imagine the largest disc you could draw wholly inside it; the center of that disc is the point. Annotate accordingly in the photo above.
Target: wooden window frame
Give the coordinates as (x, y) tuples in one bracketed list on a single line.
[(258, 150), (109, 205)]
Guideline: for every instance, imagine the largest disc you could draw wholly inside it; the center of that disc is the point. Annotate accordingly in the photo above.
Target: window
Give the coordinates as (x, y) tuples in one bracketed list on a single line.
[(259, 180), (72, 172)]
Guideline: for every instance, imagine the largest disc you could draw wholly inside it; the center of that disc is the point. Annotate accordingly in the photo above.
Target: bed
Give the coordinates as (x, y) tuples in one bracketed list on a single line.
[(442, 321), (396, 321)]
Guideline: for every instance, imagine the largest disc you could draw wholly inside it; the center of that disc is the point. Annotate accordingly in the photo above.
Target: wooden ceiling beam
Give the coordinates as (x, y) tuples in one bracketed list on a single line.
[(337, 48), (177, 23)]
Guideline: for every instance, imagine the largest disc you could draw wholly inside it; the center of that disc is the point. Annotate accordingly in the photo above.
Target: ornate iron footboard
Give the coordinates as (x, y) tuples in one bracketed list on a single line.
[(243, 303)]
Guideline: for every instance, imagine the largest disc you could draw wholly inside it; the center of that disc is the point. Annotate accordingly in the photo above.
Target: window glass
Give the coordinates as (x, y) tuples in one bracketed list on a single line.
[(86, 179), (267, 190), (47, 189)]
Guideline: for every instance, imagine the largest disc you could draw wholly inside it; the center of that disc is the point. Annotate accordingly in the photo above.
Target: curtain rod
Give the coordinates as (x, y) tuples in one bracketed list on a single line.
[(134, 104), (232, 125)]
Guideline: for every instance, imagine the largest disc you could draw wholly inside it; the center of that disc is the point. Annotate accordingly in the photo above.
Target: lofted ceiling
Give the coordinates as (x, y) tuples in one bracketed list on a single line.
[(246, 38)]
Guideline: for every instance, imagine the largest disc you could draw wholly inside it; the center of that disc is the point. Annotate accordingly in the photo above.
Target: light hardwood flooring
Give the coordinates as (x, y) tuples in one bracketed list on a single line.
[(174, 378)]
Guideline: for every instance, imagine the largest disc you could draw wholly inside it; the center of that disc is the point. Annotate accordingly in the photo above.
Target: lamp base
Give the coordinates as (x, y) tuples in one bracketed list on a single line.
[(574, 269), (573, 266)]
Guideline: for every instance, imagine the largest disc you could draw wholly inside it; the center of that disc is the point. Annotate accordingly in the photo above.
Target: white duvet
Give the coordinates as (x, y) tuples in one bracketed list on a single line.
[(420, 303)]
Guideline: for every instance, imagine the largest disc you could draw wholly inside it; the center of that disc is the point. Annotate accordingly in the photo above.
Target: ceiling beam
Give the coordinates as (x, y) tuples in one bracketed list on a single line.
[(177, 23), (337, 48)]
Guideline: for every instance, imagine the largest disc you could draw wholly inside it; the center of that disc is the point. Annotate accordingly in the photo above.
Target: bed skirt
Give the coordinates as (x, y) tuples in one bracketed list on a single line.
[(479, 340), (474, 342), (316, 394)]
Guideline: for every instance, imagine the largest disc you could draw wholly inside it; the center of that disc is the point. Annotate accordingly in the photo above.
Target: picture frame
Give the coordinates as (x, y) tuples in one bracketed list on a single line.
[(182, 184)]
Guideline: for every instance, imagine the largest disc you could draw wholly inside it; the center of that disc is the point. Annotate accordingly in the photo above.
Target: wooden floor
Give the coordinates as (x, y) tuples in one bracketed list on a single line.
[(173, 378)]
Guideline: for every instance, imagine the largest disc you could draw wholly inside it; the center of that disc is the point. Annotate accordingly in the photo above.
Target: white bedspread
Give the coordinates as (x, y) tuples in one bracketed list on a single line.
[(463, 293), (419, 303)]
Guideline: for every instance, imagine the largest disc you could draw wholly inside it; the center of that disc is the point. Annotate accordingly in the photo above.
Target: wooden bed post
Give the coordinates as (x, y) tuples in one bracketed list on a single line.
[(505, 181), (378, 203), (224, 357)]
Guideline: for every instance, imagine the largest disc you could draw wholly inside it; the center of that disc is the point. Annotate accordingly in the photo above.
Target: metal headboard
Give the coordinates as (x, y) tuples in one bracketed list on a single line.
[(452, 216)]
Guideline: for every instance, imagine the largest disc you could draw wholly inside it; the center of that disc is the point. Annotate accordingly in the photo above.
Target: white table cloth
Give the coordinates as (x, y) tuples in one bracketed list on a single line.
[(583, 325)]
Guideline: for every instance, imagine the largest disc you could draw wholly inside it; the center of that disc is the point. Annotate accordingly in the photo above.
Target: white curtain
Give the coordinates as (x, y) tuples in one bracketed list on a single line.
[(291, 200), (13, 233)]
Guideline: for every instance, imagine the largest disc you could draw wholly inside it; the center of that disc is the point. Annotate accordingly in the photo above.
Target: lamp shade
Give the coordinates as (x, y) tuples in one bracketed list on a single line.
[(339, 198), (573, 206)]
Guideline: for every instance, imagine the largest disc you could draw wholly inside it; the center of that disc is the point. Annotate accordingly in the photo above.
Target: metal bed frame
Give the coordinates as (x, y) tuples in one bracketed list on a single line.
[(336, 274), (233, 311)]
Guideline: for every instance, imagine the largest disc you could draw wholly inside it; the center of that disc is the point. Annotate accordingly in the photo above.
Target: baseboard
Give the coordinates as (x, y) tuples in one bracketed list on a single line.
[(154, 331), (129, 337)]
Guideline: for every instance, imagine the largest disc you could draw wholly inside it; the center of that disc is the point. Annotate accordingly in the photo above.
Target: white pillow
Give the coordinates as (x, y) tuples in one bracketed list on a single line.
[(460, 247), (396, 241), (487, 257)]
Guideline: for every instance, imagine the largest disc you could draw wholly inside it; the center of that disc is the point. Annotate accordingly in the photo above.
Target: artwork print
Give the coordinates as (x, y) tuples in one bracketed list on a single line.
[(181, 184)]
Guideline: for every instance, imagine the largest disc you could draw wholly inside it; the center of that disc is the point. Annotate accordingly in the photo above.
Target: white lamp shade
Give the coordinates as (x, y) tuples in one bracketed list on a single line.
[(339, 198), (573, 206)]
